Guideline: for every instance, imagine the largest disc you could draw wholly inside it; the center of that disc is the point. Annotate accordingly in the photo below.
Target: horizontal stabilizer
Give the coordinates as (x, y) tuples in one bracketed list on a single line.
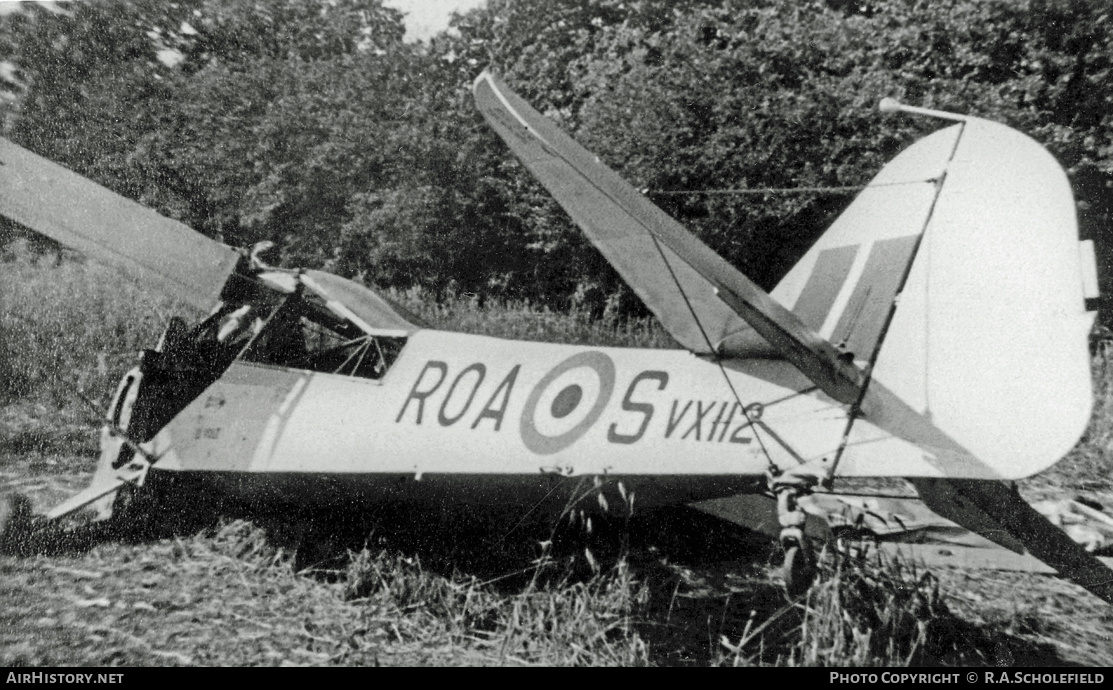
[(706, 304), (162, 253)]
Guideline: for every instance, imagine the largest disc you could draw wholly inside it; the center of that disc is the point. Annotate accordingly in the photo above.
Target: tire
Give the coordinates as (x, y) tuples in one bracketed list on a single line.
[(799, 570)]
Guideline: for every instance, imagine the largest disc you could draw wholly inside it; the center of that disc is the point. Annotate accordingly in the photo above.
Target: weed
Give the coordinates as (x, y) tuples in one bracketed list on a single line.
[(70, 325), (551, 621), (522, 320)]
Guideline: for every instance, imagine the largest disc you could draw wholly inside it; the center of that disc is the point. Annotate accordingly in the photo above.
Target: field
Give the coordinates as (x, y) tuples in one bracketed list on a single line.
[(188, 582)]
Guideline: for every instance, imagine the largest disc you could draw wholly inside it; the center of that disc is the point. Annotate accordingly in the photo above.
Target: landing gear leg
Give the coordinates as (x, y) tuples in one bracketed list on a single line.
[(799, 565)]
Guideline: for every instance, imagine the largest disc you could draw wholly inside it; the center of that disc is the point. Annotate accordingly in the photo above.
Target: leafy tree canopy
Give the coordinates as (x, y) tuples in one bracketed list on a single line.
[(310, 122)]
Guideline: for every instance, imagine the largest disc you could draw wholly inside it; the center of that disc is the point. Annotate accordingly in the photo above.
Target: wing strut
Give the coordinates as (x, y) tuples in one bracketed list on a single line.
[(856, 408), (997, 512), (772, 467)]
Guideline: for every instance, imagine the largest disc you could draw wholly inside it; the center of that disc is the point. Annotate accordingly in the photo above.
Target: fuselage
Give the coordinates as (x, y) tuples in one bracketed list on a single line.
[(476, 415)]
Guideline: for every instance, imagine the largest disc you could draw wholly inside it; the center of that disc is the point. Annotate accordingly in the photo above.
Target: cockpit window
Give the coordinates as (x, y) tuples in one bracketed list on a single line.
[(304, 333), (361, 304), (302, 320)]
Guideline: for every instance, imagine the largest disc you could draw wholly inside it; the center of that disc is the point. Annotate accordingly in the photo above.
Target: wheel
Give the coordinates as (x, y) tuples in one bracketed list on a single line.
[(799, 569)]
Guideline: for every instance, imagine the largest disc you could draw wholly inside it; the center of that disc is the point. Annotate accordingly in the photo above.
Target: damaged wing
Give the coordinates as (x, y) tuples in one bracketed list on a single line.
[(161, 253), (706, 304)]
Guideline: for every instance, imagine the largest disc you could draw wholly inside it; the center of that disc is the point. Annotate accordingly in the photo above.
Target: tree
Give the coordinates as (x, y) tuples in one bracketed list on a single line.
[(310, 122)]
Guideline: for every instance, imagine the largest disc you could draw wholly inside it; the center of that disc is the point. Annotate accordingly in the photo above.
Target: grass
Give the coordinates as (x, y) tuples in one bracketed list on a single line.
[(227, 592), (69, 325), (548, 622), (522, 320)]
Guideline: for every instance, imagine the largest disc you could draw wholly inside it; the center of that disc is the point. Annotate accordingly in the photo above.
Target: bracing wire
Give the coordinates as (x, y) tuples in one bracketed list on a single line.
[(838, 189), (711, 348)]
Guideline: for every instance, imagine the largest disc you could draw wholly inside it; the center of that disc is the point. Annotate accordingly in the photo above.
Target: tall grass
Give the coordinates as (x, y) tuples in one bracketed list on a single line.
[(866, 611), (68, 324), (522, 320), (551, 621), (1099, 434), (860, 612), (558, 621)]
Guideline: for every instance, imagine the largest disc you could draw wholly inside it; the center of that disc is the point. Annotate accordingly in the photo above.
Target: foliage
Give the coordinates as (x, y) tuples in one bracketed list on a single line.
[(68, 327), (72, 325), (312, 124)]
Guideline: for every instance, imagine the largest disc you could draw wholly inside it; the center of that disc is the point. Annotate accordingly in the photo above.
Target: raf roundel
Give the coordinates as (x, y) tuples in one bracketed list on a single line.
[(567, 402)]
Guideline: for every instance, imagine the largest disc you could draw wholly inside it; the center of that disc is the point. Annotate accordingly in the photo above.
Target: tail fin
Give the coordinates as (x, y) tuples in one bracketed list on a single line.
[(989, 342)]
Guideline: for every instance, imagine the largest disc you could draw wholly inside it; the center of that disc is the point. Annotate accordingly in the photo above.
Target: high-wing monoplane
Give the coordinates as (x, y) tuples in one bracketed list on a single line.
[(936, 332)]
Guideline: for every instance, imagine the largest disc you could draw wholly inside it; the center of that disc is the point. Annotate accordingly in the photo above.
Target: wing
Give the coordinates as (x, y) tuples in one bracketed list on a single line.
[(997, 512), (706, 304), (162, 253)]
